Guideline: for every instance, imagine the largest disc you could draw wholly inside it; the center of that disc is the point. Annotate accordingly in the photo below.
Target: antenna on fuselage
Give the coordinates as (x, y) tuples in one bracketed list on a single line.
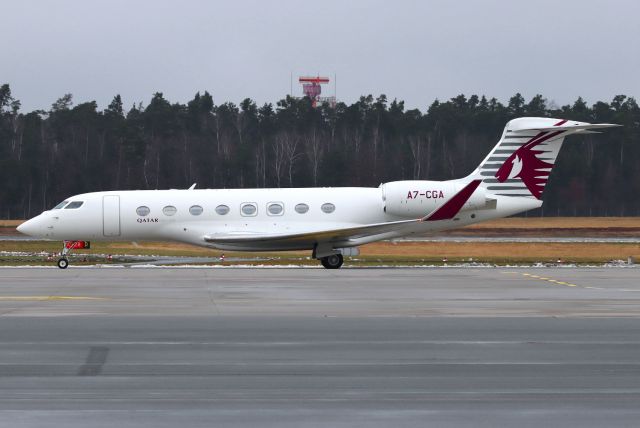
[(193, 186)]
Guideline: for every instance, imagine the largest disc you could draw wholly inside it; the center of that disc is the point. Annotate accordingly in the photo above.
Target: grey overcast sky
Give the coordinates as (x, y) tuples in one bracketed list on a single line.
[(415, 51)]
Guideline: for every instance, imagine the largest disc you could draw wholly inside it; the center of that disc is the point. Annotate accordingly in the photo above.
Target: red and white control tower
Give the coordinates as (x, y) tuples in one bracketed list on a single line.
[(311, 87)]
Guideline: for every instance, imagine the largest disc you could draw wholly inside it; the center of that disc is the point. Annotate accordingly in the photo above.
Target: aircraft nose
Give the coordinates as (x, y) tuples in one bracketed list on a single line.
[(28, 227)]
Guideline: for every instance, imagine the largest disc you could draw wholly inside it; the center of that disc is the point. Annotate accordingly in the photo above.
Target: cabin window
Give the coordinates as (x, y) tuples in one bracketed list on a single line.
[(222, 209), (60, 205), (73, 205), (143, 211), (248, 209), (195, 210), (328, 208), (275, 208), (169, 210), (302, 208)]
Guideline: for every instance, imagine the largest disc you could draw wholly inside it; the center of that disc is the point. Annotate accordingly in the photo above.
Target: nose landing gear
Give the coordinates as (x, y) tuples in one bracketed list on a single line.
[(67, 246), (63, 263)]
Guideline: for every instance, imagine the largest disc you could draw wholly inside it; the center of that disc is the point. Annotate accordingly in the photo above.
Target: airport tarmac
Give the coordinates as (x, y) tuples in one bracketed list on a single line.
[(166, 347)]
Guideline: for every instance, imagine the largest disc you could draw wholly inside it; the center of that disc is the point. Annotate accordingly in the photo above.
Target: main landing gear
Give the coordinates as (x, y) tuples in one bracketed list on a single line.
[(333, 261), (330, 257)]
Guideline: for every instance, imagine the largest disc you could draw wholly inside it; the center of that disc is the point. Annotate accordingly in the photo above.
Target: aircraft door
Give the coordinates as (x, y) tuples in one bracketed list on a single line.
[(111, 215)]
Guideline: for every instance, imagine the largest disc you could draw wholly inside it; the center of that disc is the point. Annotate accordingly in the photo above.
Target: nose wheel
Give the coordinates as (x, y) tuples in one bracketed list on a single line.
[(63, 263), (333, 261)]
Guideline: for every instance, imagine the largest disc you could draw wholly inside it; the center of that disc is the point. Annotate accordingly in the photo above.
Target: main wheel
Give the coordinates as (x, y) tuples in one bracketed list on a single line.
[(333, 261), (63, 263)]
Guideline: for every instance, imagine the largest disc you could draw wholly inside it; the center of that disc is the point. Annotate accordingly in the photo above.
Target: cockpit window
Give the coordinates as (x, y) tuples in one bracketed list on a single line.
[(60, 205), (73, 205)]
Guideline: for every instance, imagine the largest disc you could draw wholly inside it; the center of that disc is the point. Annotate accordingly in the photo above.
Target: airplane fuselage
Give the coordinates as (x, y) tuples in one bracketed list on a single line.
[(190, 215)]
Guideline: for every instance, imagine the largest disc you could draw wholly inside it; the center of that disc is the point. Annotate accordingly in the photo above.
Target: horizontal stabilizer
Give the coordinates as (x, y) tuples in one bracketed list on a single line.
[(568, 127)]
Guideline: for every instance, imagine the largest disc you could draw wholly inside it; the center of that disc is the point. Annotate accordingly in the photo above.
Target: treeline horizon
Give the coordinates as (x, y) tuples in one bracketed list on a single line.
[(46, 156)]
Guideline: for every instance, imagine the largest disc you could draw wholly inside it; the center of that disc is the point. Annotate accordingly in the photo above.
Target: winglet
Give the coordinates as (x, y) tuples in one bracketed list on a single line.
[(450, 208)]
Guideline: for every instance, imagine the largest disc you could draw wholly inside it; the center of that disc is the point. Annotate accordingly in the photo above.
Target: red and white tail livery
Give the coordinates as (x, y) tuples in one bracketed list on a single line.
[(520, 164)]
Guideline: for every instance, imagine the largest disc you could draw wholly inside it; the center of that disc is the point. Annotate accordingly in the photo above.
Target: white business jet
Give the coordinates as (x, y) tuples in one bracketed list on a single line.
[(331, 222)]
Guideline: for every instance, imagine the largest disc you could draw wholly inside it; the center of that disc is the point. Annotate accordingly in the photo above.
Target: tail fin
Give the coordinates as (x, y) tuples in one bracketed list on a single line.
[(520, 164)]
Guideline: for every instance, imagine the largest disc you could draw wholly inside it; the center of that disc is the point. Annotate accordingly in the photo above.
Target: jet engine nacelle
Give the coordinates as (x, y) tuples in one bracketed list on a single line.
[(417, 198)]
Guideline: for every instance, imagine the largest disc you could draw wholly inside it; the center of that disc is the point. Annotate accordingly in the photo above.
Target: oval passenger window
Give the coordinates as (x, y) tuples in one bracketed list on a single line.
[(275, 208), (195, 210), (169, 210), (302, 208), (248, 209), (328, 208), (222, 209), (143, 211)]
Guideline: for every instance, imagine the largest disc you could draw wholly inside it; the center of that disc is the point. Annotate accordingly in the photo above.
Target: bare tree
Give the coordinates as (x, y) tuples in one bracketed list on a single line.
[(315, 153), (415, 143), (279, 156), (291, 151)]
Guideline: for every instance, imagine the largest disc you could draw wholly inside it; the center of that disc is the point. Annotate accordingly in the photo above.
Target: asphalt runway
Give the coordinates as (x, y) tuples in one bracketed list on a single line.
[(442, 347)]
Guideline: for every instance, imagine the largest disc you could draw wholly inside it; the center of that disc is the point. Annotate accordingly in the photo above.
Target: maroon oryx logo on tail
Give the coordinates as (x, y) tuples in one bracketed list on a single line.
[(525, 164)]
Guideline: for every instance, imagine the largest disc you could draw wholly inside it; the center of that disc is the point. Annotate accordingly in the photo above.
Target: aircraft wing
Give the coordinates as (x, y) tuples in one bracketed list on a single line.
[(320, 235)]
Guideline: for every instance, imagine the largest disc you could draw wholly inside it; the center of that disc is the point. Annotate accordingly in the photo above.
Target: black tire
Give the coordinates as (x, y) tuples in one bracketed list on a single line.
[(333, 261), (63, 263)]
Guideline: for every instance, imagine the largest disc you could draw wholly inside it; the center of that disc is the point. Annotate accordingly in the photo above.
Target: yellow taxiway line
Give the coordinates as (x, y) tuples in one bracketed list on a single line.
[(554, 281)]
